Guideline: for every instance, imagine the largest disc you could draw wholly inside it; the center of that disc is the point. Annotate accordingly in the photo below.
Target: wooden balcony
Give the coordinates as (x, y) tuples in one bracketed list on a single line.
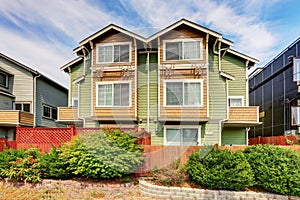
[(68, 115), (243, 116), (11, 118)]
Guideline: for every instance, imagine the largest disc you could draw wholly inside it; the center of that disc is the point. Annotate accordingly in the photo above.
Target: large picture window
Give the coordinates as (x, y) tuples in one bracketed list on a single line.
[(110, 53), (183, 93), (182, 136), (113, 94), (183, 50)]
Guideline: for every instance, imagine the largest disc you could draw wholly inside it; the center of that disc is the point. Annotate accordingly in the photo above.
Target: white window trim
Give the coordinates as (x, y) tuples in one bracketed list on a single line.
[(6, 80), (112, 44), (114, 82), (236, 97), (51, 108), (183, 81), (296, 73), (181, 127), (183, 40), (22, 102)]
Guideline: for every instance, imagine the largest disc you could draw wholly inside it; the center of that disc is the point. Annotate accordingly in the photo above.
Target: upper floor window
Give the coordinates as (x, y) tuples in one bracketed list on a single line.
[(183, 93), (183, 49), (235, 101), (75, 102), (109, 53), (49, 112), (296, 69), (113, 94), (3, 80), (23, 106)]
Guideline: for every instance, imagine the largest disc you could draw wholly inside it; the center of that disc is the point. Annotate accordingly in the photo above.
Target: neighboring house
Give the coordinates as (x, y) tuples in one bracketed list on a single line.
[(275, 89), (27, 98), (183, 84)]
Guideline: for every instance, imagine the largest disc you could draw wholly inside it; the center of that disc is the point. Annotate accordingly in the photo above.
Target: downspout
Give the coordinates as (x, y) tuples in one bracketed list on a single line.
[(69, 91), (148, 93), (35, 99), (221, 122)]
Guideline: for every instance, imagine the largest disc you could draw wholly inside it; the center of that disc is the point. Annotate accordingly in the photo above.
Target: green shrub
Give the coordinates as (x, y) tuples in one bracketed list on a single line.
[(24, 166), (98, 155), (7, 156), (220, 169), (275, 169)]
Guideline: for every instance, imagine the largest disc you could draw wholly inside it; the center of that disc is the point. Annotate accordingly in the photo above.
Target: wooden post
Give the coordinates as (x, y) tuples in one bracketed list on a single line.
[(73, 130)]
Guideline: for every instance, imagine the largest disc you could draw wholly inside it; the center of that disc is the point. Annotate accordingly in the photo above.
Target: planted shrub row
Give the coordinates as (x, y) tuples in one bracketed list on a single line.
[(267, 167), (97, 155)]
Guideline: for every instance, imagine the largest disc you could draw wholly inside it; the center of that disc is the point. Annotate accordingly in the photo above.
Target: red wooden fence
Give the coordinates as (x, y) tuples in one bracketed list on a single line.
[(276, 140)]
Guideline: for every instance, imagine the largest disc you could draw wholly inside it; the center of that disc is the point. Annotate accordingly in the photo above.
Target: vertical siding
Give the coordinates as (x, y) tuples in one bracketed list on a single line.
[(235, 67), (143, 87), (234, 136), (51, 95)]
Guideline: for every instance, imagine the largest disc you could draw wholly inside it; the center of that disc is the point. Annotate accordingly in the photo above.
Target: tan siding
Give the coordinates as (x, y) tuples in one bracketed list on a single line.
[(15, 117), (67, 113), (26, 118), (246, 114)]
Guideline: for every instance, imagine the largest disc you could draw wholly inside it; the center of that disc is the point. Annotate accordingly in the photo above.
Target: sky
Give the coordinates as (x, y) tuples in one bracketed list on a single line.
[(42, 34)]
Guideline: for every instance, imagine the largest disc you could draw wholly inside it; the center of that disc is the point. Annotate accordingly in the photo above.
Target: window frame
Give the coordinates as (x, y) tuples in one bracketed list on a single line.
[(183, 81), (200, 40), (51, 112), (22, 105), (113, 83), (181, 127), (6, 80), (296, 69), (113, 45), (73, 102), (236, 97)]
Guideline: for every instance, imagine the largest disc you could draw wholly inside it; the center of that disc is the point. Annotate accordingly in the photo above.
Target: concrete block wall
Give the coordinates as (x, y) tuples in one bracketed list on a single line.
[(178, 193)]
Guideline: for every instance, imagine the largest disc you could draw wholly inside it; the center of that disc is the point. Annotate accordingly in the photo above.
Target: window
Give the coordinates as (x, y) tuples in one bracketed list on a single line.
[(183, 93), (109, 53), (3, 80), (182, 136), (49, 112), (113, 94), (296, 69), (235, 101), (295, 115), (22, 106), (183, 50), (75, 102)]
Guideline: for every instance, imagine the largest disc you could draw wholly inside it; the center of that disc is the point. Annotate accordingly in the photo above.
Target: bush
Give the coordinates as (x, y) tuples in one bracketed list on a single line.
[(220, 169), (7, 156), (171, 175), (275, 169), (23, 166), (99, 155)]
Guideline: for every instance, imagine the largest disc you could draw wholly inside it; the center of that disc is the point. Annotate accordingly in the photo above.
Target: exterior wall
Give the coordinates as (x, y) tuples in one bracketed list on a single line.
[(6, 102), (274, 91), (85, 94), (76, 72), (51, 95), (237, 68), (234, 136), (22, 84)]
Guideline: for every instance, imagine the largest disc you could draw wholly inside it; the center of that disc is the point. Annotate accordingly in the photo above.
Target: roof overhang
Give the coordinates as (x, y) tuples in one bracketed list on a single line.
[(241, 124), (70, 64), (241, 55)]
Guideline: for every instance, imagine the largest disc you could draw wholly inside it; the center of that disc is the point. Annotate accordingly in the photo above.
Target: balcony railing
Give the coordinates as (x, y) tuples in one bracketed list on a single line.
[(16, 118), (68, 115), (243, 115)]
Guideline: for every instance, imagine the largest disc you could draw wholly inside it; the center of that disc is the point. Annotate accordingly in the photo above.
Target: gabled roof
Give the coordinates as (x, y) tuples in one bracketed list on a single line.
[(71, 63), (34, 72), (241, 55), (110, 27), (191, 24)]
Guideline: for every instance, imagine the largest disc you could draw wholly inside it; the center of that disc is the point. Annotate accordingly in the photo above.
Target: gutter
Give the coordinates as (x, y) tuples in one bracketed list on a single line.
[(34, 99)]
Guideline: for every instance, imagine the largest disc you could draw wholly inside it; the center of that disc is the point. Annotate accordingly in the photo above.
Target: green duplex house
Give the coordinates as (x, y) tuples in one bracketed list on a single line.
[(184, 84), (27, 98)]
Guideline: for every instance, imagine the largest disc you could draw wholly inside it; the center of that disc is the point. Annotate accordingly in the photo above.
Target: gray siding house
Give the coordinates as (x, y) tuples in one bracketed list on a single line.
[(27, 98)]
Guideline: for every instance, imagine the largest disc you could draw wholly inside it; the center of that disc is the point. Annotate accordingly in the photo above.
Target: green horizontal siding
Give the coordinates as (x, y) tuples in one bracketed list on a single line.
[(234, 136), (86, 96)]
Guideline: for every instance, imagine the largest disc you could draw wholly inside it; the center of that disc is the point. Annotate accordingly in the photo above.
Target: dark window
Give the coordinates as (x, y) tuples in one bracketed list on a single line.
[(54, 113), (3, 80), (49, 112), (22, 106)]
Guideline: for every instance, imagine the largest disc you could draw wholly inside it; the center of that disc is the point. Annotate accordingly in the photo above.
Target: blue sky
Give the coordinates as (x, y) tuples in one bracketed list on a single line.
[(42, 34)]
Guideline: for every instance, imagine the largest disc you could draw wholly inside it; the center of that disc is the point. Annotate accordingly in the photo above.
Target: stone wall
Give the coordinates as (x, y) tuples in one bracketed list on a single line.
[(162, 192)]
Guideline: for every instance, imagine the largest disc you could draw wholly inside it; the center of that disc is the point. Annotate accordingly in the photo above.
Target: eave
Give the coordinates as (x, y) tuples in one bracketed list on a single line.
[(70, 64)]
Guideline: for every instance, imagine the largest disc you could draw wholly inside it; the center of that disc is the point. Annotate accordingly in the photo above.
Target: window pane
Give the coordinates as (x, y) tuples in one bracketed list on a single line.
[(191, 50), (190, 137), (174, 93), (105, 95), (121, 53), (173, 136), (54, 113), (173, 51), (105, 54), (3, 80), (121, 94), (75, 103), (235, 102), (192, 94), (18, 106), (26, 107), (46, 111)]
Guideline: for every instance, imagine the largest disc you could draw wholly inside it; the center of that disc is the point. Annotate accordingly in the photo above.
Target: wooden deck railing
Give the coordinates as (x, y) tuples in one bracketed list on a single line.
[(67, 113), (244, 114), (16, 118)]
